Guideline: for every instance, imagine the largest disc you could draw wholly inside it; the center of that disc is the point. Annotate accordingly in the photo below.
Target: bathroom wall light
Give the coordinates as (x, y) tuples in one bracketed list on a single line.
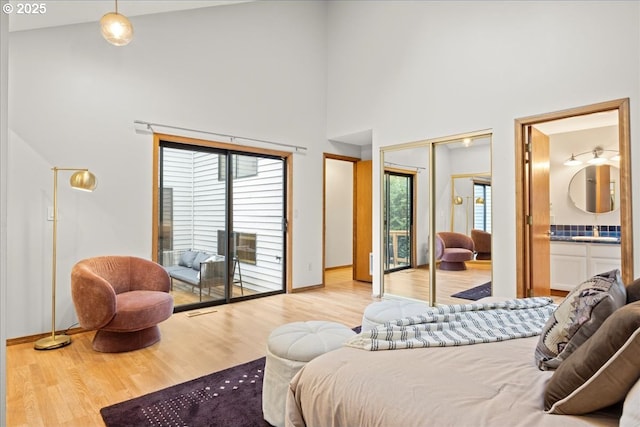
[(116, 28), (572, 161), (597, 158)]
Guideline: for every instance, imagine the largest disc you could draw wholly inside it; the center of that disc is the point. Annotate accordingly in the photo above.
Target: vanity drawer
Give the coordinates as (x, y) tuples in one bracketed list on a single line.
[(604, 250), (568, 248)]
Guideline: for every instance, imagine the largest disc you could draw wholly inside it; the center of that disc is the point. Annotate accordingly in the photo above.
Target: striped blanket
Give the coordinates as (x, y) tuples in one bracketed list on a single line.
[(460, 324)]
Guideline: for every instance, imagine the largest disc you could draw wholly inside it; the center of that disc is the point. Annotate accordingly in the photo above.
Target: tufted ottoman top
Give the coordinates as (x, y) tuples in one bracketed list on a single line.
[(302, 341), (380, 312)]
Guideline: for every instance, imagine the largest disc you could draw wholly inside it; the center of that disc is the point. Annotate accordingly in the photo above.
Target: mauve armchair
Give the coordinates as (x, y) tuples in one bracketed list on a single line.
[(453, 249), (124, 298), (482, 241)]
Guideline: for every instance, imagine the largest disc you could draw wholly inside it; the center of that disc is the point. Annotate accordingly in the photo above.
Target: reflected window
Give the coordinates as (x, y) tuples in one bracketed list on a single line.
[(482, 206)]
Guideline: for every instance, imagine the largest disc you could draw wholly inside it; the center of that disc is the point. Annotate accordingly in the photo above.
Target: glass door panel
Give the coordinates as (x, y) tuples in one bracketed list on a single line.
[(257, 265), (191, 210), (398, 212)]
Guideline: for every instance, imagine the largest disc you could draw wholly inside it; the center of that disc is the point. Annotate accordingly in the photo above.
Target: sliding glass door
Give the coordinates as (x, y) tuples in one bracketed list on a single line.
[(221, 223), (398, 220)]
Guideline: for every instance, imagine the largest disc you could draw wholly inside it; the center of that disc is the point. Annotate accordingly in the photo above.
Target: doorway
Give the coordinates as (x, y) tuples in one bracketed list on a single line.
[(533, 208), (346, 218)]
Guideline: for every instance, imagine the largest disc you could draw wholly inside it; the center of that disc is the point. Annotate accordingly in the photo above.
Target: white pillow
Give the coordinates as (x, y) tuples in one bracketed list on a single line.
[(631, 409)]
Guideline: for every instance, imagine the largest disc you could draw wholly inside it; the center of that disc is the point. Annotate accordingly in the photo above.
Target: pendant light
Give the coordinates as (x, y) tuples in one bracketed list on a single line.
[(116, 28)]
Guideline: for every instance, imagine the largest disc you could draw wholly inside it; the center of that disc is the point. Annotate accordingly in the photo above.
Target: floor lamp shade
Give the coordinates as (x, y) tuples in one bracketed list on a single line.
[(84, 180)]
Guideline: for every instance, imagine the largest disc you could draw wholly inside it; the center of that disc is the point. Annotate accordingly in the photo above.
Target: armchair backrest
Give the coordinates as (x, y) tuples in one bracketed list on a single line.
[(481, 240), (452, 239), (95, 282)]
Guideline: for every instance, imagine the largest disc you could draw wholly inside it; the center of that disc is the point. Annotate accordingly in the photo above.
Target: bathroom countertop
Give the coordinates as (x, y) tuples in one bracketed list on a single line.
[(584, 239)]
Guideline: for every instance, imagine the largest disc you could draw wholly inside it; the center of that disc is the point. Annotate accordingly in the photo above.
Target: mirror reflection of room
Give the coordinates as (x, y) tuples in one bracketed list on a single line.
[(463, 222), (584, 199), (405, 222), (461, 211)]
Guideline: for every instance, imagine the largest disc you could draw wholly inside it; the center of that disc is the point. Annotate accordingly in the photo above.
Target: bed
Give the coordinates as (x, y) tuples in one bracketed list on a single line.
[(486, 384)]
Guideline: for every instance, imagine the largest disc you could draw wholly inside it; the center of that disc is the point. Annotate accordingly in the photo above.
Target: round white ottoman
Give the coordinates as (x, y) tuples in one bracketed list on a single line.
[(380, 312), (289, 348)]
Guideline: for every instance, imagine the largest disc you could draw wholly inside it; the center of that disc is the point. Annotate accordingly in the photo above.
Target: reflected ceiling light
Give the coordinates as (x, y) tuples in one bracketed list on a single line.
[(116, 28), (572, 161), (597, 159), (466, 142)]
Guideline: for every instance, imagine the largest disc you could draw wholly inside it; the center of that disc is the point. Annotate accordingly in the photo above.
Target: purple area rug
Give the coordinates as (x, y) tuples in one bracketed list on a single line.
[(229, 398), (476, 293), (232, 397)]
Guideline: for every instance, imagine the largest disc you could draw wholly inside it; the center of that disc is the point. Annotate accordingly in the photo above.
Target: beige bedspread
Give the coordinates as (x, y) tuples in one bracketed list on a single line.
[(494, 384)]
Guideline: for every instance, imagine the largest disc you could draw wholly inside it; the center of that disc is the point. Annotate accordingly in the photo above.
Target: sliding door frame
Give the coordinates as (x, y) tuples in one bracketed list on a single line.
[(232, 149), (411, 176)]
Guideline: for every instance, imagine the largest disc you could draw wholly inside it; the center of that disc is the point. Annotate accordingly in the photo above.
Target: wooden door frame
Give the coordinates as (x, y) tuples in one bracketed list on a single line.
[(353, 160), (523, 255)]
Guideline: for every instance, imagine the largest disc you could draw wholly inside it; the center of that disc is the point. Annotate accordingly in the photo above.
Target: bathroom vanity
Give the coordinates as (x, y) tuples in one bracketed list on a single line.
[(574, 260)]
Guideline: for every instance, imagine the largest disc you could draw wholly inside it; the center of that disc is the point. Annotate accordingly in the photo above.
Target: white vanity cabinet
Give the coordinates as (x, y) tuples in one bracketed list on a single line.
[(572, 263)]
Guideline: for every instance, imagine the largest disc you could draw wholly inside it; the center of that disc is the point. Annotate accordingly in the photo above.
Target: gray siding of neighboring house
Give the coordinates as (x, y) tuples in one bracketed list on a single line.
[(199, 210)]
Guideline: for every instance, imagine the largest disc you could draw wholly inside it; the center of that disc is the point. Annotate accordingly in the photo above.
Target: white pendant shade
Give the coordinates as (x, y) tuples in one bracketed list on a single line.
[(116, 29)]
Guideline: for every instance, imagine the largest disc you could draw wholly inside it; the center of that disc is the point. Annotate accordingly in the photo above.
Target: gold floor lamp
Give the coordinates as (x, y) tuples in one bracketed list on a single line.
[(83, 180)]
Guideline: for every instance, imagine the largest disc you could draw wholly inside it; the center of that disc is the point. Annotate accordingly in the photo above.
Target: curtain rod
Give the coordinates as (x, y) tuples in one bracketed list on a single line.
[(148, 126), (417, 168)]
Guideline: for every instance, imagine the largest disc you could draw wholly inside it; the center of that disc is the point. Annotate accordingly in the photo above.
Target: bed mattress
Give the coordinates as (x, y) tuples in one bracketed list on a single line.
[(494, 384)]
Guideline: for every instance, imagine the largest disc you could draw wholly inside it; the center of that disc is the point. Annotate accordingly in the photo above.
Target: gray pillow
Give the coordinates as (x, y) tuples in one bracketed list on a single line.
[(186, 259), (633, 291), (602, 371), (200, 257), (578, 317)]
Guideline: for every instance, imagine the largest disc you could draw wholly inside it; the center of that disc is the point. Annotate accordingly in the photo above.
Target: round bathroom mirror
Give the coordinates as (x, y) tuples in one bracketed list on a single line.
[(596, 189)]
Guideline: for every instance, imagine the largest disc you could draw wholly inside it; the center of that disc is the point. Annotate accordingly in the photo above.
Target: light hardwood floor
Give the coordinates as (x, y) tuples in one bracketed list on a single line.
[(68, 386), (414, 282)]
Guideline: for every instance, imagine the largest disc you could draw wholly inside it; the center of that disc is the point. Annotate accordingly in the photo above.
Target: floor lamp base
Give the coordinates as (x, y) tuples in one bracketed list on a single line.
[(52, 342)]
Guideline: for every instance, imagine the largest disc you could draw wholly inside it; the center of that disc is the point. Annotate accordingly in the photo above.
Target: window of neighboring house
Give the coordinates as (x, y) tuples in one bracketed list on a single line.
[(482, 206), (244, 166), (244, 245)]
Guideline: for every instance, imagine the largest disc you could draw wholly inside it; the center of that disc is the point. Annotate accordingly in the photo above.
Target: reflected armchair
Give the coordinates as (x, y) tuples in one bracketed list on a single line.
[(453, 249), (482, 241)]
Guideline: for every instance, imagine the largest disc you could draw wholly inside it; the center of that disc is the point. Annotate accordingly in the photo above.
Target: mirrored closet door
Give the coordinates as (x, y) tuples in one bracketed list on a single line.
[(451, 218)]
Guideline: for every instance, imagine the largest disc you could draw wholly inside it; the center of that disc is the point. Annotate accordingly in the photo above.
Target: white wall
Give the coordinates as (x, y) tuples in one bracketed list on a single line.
[(338, 213), (253, 69), (417, 70)]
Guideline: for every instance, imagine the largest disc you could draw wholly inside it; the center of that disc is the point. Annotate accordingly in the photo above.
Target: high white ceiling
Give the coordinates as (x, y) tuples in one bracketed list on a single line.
[(65, 12)]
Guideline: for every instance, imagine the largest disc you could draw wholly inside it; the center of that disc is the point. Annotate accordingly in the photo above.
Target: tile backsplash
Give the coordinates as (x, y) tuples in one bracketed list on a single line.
[(570, 230)]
